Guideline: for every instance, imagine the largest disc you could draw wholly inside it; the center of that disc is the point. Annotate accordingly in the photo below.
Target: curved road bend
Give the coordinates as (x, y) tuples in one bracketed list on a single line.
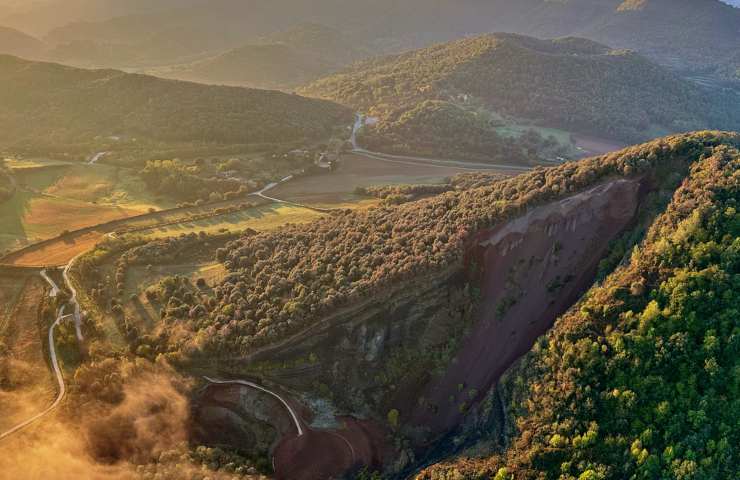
[(94, 159), (245, 383), (54, 364), (422, 161), (73, 299)]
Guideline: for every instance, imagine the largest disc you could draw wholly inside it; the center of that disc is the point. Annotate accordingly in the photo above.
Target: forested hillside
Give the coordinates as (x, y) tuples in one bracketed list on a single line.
[(284, 281), (54, 105), (640, 379), (569, 83)]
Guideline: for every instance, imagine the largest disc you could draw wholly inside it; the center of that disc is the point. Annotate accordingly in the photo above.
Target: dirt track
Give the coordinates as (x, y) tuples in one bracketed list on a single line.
[(301, 452), (35, 399)]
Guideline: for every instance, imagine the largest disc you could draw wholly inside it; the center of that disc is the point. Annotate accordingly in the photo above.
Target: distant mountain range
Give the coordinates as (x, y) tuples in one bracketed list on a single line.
[(40, 16), (283, 60), (570, 83), (685, 34)]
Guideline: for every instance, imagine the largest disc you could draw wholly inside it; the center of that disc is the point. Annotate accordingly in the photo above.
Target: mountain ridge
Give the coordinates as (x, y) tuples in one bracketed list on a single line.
[(569, 83), (64, 104)]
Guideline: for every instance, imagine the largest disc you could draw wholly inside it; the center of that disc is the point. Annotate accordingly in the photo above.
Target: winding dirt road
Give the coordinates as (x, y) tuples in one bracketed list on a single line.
[(245, 383), (94, 159), (54, 363), (261, 194), (54, 289)]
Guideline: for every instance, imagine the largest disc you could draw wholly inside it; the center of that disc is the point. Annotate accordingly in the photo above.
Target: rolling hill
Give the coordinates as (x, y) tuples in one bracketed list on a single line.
[(57, 106), (283, 60), (569, 83), (14, 42), (41, 16)]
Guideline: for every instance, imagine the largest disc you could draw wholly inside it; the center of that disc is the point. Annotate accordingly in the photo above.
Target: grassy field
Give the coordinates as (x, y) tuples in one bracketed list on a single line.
[(55, 196), (60, 250), (31, 216), (337, 188), (260, 218)]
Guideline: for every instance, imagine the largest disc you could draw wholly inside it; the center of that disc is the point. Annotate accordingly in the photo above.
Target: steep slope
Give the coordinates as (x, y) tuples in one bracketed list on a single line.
[(55, 105), (639, 378), (570, 83), (14, 42)]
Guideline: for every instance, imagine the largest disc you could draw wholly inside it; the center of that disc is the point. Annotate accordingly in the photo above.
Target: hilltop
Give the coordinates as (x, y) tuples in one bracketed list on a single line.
[(55, 106), (282, 61), (569, 83), (14, 42)]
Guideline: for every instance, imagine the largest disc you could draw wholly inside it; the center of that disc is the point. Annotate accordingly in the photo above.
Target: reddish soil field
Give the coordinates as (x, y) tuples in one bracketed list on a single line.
[(321, 455)]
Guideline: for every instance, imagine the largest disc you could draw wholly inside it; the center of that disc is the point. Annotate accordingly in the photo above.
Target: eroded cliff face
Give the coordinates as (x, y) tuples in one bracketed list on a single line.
[(436, 346), (531, 270)]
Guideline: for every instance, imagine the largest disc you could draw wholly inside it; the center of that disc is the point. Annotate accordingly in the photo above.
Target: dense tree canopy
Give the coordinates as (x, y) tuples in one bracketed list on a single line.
[(284, 281), (7, 184), (640, 379), (571, 83), (54, 104)]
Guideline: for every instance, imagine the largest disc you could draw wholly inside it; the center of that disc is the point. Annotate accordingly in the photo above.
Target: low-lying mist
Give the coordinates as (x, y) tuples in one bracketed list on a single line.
[(144, 435)]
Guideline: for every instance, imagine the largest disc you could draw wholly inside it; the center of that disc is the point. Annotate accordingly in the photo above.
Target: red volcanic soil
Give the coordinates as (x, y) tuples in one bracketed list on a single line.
[(534, 268), (322, 455)]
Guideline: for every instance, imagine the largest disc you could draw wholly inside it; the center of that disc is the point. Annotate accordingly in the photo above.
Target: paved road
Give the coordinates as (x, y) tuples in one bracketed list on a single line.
[(55, 366), (245, 383)]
